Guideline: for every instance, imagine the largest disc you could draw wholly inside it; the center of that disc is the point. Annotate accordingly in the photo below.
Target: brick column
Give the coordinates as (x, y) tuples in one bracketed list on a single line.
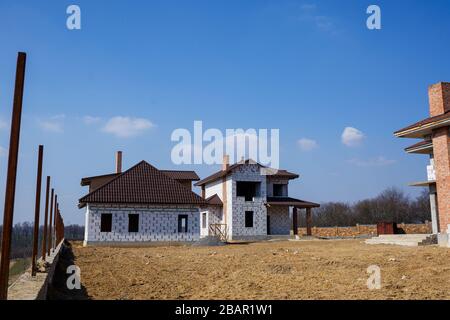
[(439, 98), (441, 150)]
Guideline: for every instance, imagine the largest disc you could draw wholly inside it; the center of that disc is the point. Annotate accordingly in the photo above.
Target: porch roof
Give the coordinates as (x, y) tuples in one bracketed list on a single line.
[(288, 201)]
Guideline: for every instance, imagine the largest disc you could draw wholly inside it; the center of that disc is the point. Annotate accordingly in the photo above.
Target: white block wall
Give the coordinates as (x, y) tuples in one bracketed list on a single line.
[(272, 181), (280, 221), (156, 223), (249, 172)]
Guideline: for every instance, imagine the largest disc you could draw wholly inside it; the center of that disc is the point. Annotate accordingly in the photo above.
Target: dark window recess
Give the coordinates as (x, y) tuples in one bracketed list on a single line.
[(204, 220), (106, 222), (247, 189), (249, 219), (182, 223), (277, 190), (133, 223)]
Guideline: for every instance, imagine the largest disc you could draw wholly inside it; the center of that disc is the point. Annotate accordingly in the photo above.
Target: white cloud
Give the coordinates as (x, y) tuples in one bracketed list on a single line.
[(307, 144), (352, 137), (125, 127), (375, 162), (91, 120), (53, 124), (3, 151)]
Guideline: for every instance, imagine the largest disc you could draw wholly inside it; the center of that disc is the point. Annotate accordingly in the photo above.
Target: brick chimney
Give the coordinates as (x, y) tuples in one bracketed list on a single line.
[(226, 162), (119, 162), (439, 96)]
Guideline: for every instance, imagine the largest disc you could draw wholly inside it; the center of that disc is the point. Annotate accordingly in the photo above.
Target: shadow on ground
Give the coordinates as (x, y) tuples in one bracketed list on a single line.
[(58, 289)]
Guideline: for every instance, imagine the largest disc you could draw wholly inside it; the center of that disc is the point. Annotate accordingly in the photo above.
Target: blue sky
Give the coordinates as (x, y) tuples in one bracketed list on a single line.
[(309, 68)]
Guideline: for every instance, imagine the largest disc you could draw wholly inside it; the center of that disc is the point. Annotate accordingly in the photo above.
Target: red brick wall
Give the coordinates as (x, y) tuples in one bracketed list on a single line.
[(362, 230), (441, 150), (439, 97)]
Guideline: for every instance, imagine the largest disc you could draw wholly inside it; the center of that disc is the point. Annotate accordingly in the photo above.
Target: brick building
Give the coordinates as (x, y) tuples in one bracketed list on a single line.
[(434, 133)]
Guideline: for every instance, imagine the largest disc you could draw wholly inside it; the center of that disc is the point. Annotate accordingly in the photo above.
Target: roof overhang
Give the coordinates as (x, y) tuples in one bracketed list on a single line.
[(422, 183), (424, 147), (291, 202), (421, 131)]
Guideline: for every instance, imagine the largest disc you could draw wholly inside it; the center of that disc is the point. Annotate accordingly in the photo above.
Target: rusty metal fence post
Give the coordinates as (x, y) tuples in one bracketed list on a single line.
[(55, 213), (50, 227), (44, 238), (37, 210), (12, 174)]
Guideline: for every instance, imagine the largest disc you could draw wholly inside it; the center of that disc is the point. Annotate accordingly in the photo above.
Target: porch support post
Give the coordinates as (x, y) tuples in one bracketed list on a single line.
[(434, 210), (308, 222), (294, 221)]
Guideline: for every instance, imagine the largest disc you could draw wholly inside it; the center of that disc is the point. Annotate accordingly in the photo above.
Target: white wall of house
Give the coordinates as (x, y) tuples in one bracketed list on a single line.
[(156, 223), (213, 188)]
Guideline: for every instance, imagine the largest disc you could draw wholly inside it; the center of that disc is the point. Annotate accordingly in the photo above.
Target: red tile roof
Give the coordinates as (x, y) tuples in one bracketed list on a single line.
[(142, 184), (223, 173)]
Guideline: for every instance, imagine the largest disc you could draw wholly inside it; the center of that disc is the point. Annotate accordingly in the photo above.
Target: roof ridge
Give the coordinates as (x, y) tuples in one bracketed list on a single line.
[(114, 179), (147, 183)]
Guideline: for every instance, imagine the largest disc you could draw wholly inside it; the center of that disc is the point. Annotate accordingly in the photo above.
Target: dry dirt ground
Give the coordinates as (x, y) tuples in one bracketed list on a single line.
[(317, 269)]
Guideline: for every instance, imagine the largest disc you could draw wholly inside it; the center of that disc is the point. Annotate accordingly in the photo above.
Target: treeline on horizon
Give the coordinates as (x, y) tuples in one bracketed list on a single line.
[(391, 205), (22, 238)]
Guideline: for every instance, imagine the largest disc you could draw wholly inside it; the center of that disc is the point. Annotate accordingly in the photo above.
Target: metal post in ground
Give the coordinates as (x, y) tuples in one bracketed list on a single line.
[(44, 238), (50, 232), (11, 175), (54, 222), (37, 210)]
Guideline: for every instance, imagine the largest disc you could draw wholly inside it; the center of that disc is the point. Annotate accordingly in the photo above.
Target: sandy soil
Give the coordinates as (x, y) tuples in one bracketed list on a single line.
[(317, 269)]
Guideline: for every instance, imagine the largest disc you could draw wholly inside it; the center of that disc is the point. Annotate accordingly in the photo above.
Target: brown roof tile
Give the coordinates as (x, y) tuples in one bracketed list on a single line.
[(214, 200), (182, 175), (143, 184)]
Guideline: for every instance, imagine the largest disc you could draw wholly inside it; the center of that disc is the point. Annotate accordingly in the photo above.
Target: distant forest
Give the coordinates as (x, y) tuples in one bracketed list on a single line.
[(22, 238), (391, 205)]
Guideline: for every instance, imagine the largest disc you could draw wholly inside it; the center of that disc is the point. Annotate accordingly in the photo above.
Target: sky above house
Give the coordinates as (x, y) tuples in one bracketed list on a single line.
[(138, 70)]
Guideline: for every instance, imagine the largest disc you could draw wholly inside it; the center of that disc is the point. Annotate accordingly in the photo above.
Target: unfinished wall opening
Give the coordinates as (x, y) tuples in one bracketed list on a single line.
[(279, 190), (182, 223), (133, 223), (248, 190), (249, 219), (106, 222), (204, 215)]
